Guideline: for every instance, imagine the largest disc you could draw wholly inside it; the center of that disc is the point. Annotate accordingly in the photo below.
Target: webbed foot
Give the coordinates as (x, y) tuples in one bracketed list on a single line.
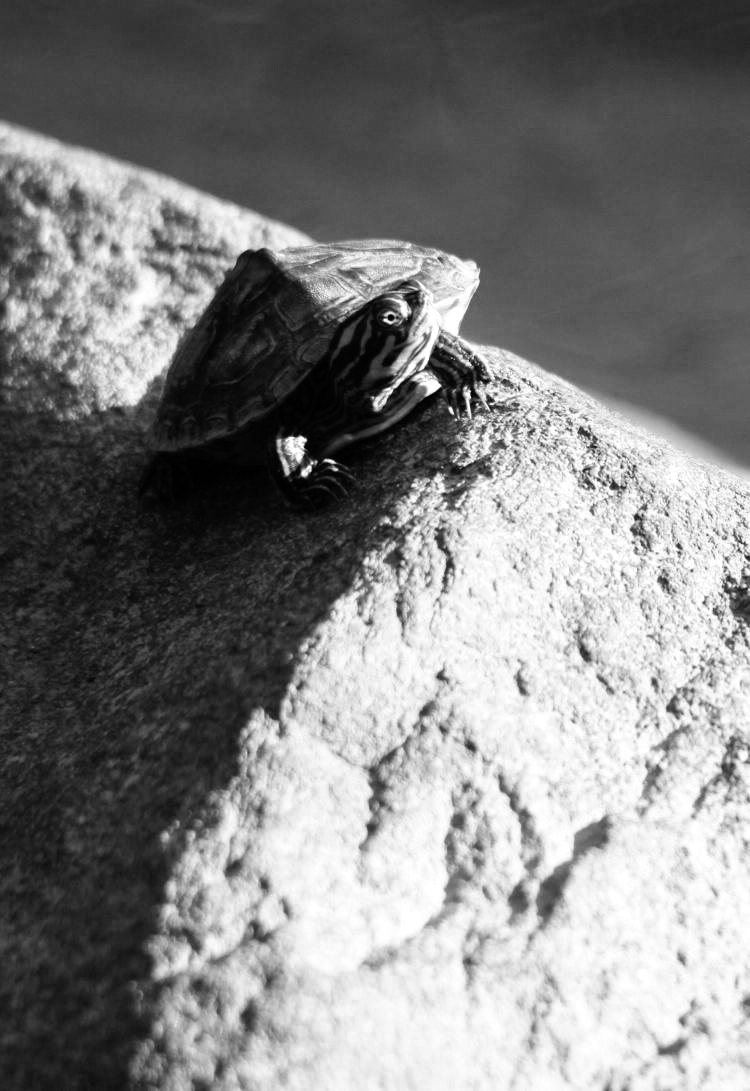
[(463, 374), (305, 481), (325, 481)]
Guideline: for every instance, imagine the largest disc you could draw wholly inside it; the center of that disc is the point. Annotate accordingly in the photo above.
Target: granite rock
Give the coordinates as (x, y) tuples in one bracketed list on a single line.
[(445, 787)]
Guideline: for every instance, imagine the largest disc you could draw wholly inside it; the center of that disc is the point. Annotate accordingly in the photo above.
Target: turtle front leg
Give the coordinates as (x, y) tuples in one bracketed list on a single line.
[(304, 480), (463, 374)]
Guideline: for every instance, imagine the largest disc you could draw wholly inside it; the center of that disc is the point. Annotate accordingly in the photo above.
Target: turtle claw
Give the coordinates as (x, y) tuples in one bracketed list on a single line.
[(306, 481), (464, 400), (463, 375), (326, 481), (482, 398)]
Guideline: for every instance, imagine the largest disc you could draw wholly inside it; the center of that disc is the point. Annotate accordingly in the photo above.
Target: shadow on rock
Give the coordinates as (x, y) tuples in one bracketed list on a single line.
[(141, 643)]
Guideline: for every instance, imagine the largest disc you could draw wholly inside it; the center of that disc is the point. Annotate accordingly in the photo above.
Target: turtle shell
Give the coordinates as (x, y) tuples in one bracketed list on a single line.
[(273, 318)]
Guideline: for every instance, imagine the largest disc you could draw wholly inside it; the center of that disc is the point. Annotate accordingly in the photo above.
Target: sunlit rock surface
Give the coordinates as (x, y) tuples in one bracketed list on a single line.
[(445, 787), (100, 266)]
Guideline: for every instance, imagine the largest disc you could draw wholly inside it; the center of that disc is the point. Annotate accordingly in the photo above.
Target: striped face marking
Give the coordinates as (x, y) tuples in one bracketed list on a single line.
[(371, 366), (382, 345)]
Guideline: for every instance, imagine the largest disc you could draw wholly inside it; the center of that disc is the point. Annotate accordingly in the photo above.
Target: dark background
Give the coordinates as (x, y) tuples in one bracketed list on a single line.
[(593, 157)]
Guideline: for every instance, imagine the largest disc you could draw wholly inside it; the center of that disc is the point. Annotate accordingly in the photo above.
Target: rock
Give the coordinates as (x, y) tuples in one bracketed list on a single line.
[(446, 787), (98, 257)]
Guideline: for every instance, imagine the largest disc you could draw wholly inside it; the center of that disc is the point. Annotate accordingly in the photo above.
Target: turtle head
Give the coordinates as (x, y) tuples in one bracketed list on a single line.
[(382, 345), (370, 376)]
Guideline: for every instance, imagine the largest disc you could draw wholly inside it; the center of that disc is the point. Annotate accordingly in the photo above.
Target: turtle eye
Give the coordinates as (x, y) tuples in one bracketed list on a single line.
[(393, 313)]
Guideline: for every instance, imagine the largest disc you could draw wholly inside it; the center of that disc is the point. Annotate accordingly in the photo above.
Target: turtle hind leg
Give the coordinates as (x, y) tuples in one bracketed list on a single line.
[(463, 374), (305, 481), (164, 480)]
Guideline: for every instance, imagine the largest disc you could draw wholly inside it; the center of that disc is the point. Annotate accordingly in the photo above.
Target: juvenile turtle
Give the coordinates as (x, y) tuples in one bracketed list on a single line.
[(306, 350)]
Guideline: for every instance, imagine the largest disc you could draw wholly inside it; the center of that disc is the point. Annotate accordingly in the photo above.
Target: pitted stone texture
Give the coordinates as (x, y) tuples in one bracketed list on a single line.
[(446, 787), (102, 266)]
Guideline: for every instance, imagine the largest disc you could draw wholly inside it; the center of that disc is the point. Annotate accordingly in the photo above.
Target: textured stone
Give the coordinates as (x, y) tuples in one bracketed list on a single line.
[(100, 267), (446, 787)]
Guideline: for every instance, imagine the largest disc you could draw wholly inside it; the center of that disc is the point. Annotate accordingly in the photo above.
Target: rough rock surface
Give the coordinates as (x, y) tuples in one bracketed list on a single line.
[(100, 265), (446, 787)]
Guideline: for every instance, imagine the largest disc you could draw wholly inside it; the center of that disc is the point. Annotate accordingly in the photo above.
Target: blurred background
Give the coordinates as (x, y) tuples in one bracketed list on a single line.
[(592, 156)]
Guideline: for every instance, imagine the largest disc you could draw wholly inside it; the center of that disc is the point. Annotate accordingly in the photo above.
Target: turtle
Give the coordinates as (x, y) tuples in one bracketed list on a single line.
[(305, 350)]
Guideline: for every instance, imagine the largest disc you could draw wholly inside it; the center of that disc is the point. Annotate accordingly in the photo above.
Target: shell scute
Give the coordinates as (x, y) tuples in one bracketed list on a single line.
[(271, 321)]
